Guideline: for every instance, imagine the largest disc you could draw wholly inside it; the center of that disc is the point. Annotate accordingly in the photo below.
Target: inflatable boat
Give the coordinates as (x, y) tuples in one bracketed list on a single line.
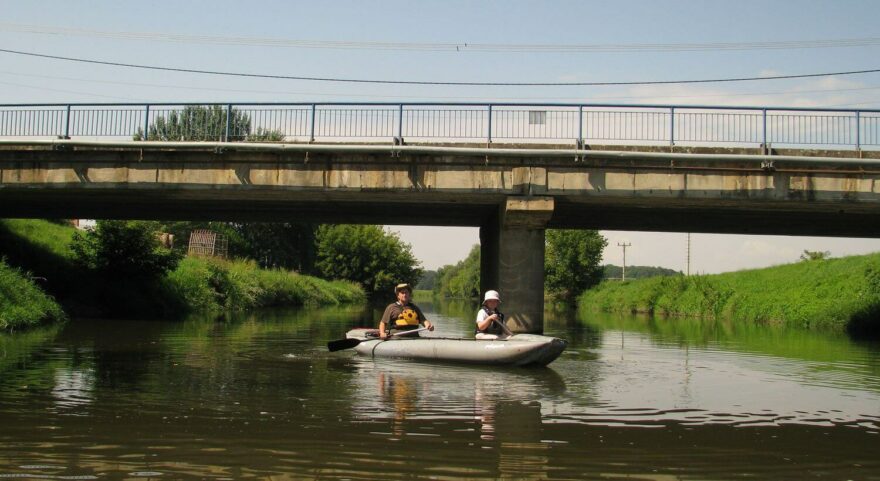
[(516, 350)]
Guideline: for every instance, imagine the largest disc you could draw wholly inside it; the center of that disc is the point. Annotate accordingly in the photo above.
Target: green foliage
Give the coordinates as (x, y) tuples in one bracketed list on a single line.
[(366, 254), (428, 281), (206, 123), (217, 284), (48, 236), (610, 271), (286, 245), (195, 285), (833, 294), (572, 261), (809, 255), (462, 280), (125, 249), (22, 302)]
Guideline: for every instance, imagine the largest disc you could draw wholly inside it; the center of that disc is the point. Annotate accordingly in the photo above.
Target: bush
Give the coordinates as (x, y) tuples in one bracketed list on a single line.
[(126, 249), (23, 303)]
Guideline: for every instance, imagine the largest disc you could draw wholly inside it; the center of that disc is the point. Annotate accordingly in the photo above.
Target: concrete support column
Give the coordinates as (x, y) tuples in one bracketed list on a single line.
[(512, 260)]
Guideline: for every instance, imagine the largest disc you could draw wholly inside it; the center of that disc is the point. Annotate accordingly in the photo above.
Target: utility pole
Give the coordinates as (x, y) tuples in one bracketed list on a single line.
[(624, 245), (689, 254)]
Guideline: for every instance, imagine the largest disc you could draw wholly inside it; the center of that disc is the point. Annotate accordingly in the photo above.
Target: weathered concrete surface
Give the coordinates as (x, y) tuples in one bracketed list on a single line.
[(512, 194), (512, 259), (453, 186)]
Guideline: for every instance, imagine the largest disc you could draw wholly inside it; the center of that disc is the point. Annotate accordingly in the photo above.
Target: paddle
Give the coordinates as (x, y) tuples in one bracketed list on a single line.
[(341, 344), (507, 331)]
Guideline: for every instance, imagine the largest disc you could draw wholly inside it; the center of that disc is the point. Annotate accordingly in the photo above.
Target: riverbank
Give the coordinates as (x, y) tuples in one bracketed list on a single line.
[(22, 302), (42, 248), (833, 294)]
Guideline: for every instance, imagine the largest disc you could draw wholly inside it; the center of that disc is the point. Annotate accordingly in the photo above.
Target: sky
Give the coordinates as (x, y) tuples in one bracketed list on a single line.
[(437, 40)]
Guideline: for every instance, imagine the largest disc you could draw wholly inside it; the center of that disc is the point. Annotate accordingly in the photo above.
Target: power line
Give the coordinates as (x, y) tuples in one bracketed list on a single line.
[(422, 97), (445, 46), (427, 82)]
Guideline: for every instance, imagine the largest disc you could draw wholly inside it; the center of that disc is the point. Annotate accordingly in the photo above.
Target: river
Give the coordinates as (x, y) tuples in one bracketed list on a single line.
[(258, 396)]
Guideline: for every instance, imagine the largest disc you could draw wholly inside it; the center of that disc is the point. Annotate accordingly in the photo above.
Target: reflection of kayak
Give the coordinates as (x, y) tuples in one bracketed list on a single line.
[(516, 350)]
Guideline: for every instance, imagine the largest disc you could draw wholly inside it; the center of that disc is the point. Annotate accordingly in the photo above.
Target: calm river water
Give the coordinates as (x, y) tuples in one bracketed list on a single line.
[(260, 397)]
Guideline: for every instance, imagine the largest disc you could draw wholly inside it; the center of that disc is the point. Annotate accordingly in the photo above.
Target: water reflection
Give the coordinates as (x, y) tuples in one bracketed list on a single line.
[(500, 411), (73, 387), (258, 396)]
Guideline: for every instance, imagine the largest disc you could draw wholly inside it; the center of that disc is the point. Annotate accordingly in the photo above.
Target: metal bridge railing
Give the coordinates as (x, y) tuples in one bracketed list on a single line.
[(444, 122)]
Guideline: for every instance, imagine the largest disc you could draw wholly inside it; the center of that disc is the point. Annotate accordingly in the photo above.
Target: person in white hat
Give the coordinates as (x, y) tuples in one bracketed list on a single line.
[(490, 321)]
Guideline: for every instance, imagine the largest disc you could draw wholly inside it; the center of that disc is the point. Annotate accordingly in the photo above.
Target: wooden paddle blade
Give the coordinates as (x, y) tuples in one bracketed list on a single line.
[(341, 344)]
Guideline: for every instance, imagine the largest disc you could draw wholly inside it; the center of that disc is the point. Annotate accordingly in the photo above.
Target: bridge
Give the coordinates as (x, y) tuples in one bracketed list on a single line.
[(511, 169)]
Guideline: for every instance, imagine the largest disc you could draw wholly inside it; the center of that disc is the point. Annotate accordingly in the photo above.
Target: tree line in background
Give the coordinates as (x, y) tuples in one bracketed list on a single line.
[(367, 254), (571, 265)]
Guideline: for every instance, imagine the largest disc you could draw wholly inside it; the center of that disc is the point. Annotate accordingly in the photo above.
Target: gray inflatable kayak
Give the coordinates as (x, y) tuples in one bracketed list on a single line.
[(516, 350)]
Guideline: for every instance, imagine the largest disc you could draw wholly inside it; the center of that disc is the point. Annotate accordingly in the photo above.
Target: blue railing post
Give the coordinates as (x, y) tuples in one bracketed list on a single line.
[(312, 133), (764, 130), (67, 123), (580, 126), (489, 130), (146, 121), (858, 130), (671, 125), (228, 121), (400, 124)]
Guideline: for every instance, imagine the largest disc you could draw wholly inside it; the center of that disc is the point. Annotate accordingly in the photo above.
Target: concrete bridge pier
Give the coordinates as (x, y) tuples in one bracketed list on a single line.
[(512, 260)]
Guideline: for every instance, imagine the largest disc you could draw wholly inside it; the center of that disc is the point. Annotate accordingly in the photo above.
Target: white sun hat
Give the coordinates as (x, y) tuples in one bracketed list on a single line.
[(490, 295)]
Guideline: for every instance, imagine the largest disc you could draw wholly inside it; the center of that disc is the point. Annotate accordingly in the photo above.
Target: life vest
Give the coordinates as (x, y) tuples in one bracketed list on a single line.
[(408, 318), (494, 327)]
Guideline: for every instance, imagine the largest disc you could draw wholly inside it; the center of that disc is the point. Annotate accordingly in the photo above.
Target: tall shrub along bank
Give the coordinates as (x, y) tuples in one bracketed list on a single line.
[(825, 294), (22, 302)]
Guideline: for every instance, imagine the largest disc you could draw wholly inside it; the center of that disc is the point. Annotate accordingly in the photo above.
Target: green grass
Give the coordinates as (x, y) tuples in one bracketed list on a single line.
[(215, 284), (833, 294), (42, 249), (22, 302)]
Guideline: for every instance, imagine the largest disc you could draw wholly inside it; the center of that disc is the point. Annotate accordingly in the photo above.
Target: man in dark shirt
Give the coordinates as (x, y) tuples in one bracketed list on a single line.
[(402, 315)]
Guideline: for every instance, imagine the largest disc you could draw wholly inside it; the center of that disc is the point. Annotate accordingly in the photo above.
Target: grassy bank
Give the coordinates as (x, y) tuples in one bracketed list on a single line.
[(22, 302), (42, 248), (215, 284), (831, 294)]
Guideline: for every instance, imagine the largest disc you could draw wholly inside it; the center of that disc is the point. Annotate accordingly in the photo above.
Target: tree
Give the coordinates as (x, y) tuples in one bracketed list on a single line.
[(571, 262), (206, 123), (366, 254), (287, 245), (610, 271), (815, 255), (461, 280), (428, 281), (127, 249)]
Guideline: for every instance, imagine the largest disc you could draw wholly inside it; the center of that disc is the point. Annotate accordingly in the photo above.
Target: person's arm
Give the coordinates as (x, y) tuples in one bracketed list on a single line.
[(384, 322), (484, 320), (422, 318)]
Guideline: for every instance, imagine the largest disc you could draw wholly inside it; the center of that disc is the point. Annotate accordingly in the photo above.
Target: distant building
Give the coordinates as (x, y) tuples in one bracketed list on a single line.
[(84, 224)]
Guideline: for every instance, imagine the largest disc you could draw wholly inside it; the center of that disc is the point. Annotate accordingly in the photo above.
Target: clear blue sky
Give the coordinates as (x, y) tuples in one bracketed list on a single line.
[(106, 30)]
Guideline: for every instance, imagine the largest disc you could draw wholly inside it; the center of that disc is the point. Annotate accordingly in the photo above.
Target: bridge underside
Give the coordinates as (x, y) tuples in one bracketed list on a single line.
[(663, 215)]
